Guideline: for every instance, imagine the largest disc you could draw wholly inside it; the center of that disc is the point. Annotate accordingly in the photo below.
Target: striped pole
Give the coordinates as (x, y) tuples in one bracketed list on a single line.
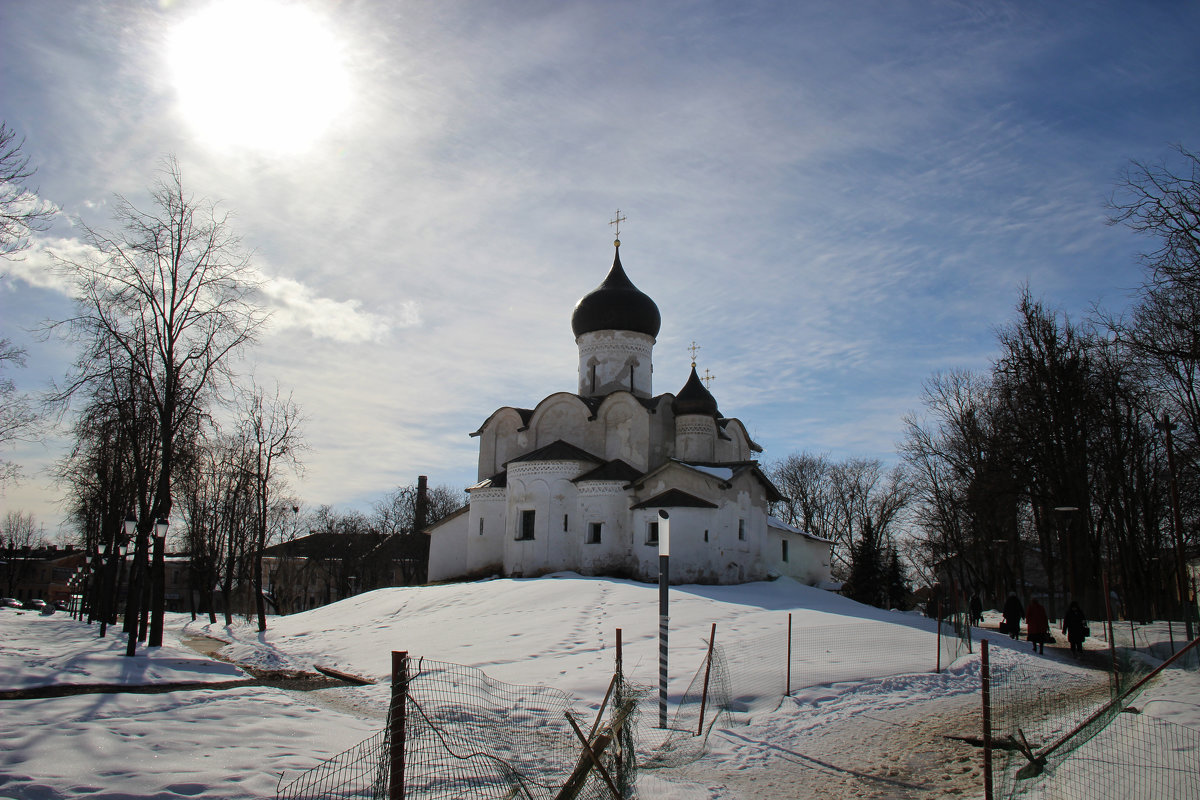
[(664, 558)]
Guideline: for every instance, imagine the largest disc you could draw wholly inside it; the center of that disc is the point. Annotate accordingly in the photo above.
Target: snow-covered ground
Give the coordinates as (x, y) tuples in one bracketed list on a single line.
[(874, 726)]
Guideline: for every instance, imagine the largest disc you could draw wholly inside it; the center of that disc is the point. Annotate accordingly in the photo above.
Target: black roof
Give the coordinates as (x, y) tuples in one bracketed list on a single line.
[(694, 398), (558, 450), (675, 498), (616, 470), (616, 304)]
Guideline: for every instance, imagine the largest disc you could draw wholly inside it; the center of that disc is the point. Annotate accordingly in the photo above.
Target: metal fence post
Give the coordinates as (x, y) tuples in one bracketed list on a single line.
[(788, 685), (396, 725), (938, 613), (985, 675)]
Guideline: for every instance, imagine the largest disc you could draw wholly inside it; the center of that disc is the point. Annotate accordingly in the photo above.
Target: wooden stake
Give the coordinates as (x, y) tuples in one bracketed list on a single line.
[(396, 751), (712, 637)]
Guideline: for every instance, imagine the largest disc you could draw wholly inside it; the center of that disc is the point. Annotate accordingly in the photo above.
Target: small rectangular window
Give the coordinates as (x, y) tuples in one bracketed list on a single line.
[(564, 522), (706, 535), (785, 549), (594, 531), (742, 529), (652, 533), (481, 526), (526, 530)]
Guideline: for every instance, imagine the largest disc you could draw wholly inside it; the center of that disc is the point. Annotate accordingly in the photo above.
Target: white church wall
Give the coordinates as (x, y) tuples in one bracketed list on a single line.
[(559, 416), (695, 437), (735, 446), (500, 439), (661, 440), (447, 548), (604, 503), (625, 427), (545, 489), (611, 361), (485, 532)]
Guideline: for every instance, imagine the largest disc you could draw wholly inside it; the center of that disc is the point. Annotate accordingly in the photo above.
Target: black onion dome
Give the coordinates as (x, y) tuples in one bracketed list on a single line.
[(693, 398), (617, 305)]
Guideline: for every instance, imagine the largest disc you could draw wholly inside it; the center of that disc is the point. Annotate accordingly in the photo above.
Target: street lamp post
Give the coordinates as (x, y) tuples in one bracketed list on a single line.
[(664, 564), (158, 579), (132, 609)]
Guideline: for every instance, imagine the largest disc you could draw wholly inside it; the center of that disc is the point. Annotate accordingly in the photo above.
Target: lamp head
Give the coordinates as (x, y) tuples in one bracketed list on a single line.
[(130, 524), (160, 527)]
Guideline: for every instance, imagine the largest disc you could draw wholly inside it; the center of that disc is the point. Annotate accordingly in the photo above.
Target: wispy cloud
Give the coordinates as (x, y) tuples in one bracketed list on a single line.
[(294, 306)]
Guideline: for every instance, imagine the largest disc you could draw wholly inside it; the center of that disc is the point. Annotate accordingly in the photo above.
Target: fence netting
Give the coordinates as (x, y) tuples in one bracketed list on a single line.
[(1082, 736), (468, 735), (745, 675)]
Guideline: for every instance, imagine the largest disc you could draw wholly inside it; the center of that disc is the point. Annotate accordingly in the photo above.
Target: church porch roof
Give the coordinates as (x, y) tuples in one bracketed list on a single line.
[(558, 450), (675, 498)]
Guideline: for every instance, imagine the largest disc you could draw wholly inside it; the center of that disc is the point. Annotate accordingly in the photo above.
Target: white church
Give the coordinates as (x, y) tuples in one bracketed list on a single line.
[(576, 483)]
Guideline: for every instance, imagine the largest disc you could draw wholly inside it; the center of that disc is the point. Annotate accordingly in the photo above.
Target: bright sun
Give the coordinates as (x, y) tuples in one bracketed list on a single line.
[(257, 73)]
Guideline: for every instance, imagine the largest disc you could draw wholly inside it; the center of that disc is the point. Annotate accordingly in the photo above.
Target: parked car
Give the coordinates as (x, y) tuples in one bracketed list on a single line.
[(9, 602), (35, 605)]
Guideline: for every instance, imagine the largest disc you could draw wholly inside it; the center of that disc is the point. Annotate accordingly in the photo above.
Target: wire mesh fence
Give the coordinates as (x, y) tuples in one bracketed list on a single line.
[(747, 675), (1081, 738), (462, 734), (1058, 735)]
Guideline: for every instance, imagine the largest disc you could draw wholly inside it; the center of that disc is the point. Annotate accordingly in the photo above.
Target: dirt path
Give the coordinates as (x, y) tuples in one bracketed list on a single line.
[(897, 751)]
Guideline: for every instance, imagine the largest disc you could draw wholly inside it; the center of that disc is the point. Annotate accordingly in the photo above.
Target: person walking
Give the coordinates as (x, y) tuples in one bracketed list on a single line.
[(976, 609), (1037, 625), (1013, 611), (1075, 626)]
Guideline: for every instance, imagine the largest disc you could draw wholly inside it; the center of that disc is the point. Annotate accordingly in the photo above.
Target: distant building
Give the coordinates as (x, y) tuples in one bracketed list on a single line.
[(41, 573), (577, 481), (324, 567)]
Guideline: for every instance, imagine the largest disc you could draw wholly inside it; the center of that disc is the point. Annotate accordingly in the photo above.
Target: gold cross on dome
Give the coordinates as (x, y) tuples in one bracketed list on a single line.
[(616, 222), (693, 349), (707, 378)]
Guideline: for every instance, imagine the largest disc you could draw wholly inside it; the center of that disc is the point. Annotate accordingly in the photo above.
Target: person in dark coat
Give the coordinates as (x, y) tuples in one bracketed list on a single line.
[(1013, 611), (1037, 626), (976, 609), (1075, 626)]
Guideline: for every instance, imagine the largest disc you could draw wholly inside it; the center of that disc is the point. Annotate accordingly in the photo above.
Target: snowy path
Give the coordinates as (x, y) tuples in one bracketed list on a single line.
[(882, 739)]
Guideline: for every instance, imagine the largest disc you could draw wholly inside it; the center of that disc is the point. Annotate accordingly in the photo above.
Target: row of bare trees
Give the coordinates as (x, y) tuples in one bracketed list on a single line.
[(1055, 461), (164, 303), (859, 505)]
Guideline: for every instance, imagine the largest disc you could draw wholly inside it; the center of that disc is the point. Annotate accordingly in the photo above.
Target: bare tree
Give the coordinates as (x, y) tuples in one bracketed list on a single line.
[(21, 211), (803, 479), (163, 303), (397, 517), (19, 532), (1162, 201), (270, 433), (18, 419)]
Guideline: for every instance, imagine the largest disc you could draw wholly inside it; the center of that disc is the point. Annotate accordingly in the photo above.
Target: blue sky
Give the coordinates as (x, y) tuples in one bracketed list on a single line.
[(833, 199)]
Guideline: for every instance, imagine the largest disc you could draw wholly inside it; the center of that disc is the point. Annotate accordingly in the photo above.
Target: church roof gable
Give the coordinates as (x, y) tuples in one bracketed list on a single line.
[(524, 413), (558, 450), (615, 470), (675, 498)]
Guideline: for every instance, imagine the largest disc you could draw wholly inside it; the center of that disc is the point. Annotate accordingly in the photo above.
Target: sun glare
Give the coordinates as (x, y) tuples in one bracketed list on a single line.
[(258, 74)]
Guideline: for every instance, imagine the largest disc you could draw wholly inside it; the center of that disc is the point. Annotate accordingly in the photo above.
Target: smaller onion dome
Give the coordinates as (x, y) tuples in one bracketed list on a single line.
[(616, 304), (694, 398)]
